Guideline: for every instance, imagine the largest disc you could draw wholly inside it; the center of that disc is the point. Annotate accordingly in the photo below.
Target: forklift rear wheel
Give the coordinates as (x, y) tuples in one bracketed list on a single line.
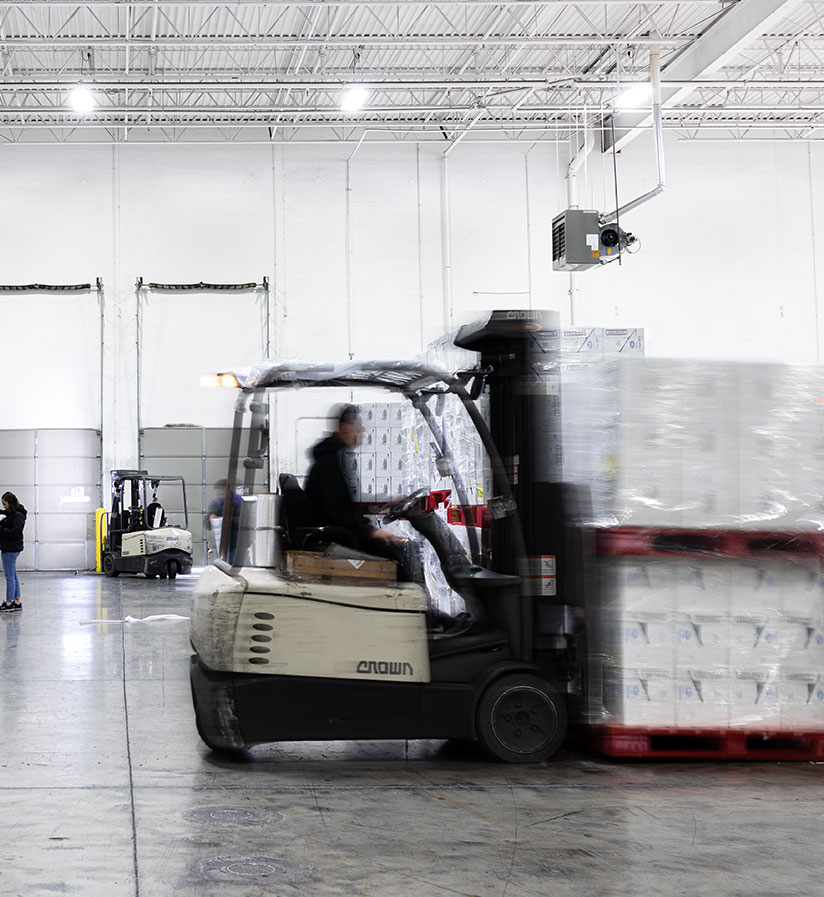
[(172, 568), (110, 566), (521, 719)]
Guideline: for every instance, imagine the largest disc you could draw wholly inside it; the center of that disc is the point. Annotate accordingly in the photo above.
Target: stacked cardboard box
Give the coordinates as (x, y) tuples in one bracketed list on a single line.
[(713, 644), (667, 443), (705, 642)]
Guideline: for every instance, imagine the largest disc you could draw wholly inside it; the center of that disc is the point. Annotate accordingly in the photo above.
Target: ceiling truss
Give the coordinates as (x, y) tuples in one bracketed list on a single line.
[(435, 70)]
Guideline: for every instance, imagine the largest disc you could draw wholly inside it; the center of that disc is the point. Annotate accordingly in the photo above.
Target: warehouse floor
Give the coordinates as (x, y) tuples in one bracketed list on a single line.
[(105, 788)]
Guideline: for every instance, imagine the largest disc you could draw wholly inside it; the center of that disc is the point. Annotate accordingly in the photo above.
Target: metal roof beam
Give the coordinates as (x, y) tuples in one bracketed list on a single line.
[(205, 86), (332, 4), (731, 33), (263, 42)]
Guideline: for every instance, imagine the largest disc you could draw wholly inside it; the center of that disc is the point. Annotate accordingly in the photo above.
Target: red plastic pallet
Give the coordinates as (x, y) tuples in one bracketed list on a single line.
[(705, 744), (645, 541)]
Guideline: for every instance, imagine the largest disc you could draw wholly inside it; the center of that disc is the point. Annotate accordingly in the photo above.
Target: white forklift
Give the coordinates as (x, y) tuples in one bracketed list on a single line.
[(284, 652), (136, 537)]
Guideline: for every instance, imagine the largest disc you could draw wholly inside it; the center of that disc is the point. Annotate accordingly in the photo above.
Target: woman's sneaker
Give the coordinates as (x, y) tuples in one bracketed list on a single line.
[(16, 605), (8, 605)]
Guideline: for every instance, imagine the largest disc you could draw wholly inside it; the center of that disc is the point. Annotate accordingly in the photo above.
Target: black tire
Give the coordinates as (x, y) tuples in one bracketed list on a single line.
[(172, 568), (110, 565), (228, 753), (520, 719), (163, 573)]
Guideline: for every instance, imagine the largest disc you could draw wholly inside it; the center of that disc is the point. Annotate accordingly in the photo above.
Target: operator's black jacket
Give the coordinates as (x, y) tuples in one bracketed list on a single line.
[(327, 490), (11, 529)]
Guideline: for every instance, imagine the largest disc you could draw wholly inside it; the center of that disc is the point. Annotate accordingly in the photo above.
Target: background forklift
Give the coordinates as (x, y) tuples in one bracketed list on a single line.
[(281, 657), (136, 537)]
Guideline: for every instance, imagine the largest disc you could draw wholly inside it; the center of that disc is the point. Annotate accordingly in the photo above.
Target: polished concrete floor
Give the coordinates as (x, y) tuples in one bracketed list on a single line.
[(105, 789)]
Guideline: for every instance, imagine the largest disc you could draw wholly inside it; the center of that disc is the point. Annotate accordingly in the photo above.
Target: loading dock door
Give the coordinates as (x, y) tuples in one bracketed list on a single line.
[(56, 475)]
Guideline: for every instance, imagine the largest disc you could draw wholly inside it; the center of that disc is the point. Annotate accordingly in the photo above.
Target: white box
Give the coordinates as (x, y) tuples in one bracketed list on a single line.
[(622, 341), (801, 592), (351, 464), (400, 485), (367, 488), (807, 654), (383, 464), (368, 440), (802, 702), (638, 639), (383, 489), (397, 415), (583, 343), (755, 701), (399, 441), (642, 697), (367, 411), (756, 588), (644, 585), (368, 464), (382, 414), (703, 607), (651, 495), (702, 698), (383, 439)]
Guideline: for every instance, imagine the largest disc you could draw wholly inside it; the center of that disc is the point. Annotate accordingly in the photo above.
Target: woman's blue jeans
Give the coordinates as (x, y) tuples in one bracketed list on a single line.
[(10, 569)]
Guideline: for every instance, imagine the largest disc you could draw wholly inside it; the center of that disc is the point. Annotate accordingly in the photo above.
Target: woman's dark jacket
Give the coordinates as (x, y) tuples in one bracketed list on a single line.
[(11, 529)]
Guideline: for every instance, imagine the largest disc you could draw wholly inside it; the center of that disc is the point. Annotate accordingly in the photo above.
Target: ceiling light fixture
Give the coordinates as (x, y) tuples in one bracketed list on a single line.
[(353, 98), (82, 100), (636, 97)]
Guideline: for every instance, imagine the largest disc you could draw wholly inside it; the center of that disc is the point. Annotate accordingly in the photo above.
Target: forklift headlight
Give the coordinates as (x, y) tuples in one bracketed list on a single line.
[(212, 381)]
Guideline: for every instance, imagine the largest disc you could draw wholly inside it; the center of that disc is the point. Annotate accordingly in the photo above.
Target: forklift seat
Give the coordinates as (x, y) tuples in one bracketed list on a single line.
[(302, 526)]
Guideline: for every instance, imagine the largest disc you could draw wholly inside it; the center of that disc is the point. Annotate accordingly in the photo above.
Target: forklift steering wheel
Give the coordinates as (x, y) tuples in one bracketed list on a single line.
[(398, 509)]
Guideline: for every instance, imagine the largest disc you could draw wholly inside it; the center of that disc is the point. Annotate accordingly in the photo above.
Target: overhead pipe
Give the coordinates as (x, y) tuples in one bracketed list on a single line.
[(658, 135), (573, 168)]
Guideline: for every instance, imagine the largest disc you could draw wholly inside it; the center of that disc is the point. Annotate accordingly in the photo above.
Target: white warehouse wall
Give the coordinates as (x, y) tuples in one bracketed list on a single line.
[(374, 254)]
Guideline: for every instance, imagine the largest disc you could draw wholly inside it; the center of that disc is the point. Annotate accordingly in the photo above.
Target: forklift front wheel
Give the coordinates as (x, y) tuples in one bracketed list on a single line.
[(110, 565), (172, 568), (521, 719)]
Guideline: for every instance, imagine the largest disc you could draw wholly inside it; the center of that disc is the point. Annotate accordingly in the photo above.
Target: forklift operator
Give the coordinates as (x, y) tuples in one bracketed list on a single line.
[(329, 493)]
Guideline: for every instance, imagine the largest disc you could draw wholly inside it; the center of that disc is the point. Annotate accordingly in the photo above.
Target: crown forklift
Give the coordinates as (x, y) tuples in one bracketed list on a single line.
[(283, 657), (137, 537)]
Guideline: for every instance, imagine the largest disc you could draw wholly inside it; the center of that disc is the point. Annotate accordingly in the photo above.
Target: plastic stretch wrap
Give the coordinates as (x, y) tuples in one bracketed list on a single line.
[(440, 595), (667, 443), (715, 643)]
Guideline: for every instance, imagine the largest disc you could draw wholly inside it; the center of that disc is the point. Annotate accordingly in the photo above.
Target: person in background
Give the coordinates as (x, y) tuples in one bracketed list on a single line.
[(330, 496), (215, 512), (11, 544)]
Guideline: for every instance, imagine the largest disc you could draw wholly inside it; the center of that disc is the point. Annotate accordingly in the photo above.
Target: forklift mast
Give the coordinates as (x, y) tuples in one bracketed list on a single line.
[(520, 351)]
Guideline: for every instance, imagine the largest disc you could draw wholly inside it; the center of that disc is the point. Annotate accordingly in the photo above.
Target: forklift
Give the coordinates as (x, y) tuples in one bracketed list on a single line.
[(137, 538), (283, 657)]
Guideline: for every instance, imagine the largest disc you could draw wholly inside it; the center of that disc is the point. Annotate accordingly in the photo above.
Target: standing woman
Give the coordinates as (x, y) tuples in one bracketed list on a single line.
[(11, 544)]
